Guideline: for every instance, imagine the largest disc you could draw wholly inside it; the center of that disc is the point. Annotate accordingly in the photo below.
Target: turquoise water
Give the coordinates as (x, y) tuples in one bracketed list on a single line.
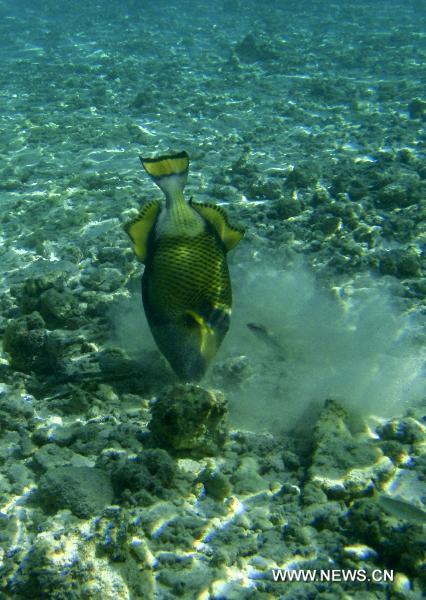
[(305, 121)]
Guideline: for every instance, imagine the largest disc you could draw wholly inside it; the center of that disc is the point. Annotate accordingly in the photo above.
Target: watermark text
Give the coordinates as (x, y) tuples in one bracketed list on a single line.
[(333, 575)]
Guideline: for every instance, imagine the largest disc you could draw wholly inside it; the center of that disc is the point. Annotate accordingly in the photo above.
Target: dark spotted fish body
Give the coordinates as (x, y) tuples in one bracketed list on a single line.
[(186, 288), (187, 298)]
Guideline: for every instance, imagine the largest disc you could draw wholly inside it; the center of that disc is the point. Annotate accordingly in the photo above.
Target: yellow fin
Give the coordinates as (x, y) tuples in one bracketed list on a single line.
[(218, 219), (162, 166), (139, 228), (207, 342), (201, 322)]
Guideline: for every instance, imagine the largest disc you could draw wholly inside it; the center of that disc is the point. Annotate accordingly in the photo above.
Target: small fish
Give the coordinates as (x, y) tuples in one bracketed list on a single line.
[(401, 509), (186, 288), (267, 338)]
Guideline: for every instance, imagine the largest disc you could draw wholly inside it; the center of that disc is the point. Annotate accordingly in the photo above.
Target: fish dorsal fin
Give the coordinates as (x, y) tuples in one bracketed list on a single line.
[(169, 172), (139, 228), (218, 219)]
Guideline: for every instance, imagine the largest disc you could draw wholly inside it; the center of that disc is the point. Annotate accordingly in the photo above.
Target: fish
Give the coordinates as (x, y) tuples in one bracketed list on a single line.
[(268, 338), (401, 509), (186, 285)]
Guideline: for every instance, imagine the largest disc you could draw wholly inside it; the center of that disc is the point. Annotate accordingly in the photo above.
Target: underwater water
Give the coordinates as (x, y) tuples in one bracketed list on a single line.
[(303, 447)]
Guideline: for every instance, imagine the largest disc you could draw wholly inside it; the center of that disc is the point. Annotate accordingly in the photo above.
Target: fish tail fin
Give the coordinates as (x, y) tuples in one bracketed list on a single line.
[(169, 172)]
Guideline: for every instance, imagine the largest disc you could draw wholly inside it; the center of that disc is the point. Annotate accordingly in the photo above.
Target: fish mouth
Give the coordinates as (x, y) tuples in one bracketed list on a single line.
[(189, 350), (187, 360), (190, 367)]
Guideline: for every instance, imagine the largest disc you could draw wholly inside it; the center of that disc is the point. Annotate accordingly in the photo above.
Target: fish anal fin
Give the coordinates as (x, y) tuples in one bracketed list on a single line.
[(218, 219), (139, 228)]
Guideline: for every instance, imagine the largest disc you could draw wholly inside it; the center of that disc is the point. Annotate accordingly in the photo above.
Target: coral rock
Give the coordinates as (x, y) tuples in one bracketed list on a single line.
[(186, 417)]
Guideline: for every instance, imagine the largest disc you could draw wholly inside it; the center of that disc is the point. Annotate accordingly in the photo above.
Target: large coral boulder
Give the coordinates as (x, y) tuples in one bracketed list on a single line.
[(187, 418)]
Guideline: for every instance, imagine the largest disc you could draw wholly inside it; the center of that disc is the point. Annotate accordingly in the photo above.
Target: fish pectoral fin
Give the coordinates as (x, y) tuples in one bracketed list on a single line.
[(218, 219), (139, 228), (206, 335), (193, 318)]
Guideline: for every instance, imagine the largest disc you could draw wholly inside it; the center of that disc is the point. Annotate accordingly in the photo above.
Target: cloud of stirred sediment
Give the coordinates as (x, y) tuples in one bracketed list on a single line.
[(353, 345)]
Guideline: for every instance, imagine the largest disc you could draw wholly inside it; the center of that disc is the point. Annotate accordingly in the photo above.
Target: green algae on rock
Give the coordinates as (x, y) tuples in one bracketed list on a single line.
[(143, 477), (83, 490), (187, 418), (215, 483), (25, 339)]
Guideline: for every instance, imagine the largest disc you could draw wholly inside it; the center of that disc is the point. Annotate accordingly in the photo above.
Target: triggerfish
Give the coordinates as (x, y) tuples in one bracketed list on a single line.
[(186, 288)]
